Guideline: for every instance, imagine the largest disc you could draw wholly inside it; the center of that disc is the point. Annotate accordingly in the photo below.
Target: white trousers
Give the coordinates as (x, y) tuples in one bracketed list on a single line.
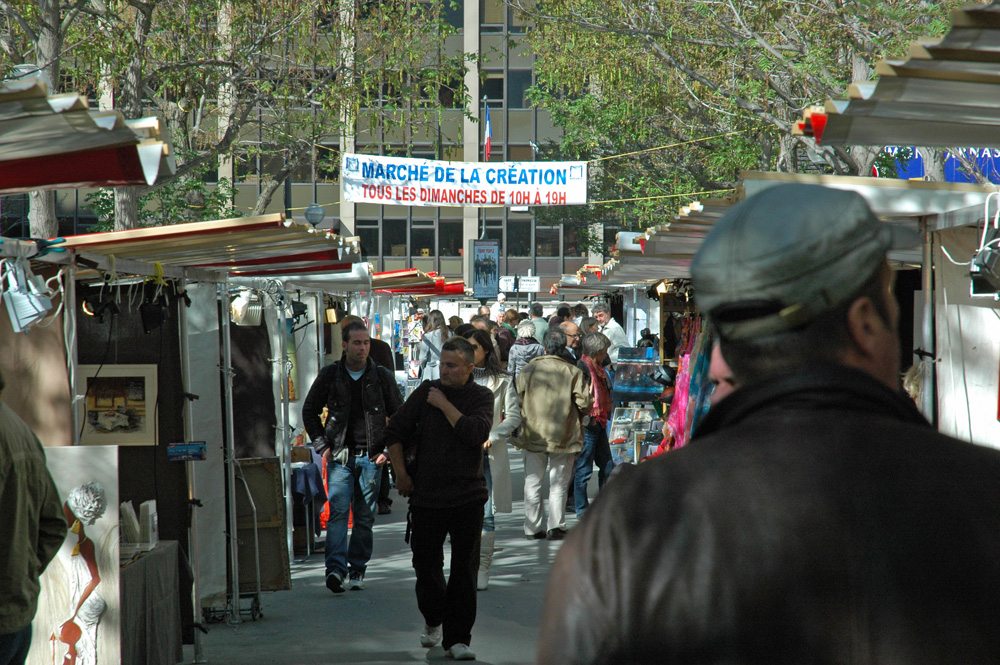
[(560, 467)]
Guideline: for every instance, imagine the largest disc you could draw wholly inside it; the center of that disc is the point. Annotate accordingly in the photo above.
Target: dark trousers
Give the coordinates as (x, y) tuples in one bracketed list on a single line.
[(14, 646), (452, 603)]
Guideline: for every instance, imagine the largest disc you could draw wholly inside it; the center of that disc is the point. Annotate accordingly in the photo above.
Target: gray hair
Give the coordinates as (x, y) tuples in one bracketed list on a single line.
[(555, 342), (87, 502), (594, 343), (525, 329), (600, 307)]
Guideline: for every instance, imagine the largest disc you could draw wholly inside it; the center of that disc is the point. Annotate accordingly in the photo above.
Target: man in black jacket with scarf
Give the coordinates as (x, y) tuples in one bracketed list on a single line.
[(815, 517), (359, 397), (442, 428)]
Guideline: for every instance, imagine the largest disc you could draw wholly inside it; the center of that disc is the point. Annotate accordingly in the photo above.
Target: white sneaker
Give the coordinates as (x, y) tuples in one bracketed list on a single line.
[(356, 582), (459, 651), (431, 636)]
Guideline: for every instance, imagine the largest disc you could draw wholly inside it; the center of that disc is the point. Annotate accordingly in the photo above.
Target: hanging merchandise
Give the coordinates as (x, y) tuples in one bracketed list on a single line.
[(26, 295)]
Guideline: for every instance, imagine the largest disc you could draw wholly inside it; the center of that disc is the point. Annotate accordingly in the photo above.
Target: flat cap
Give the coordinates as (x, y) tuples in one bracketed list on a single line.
[(785, 255)]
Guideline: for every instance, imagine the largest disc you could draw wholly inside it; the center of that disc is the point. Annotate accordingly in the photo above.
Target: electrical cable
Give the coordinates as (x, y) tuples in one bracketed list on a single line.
[(104, 359), (948, 256)]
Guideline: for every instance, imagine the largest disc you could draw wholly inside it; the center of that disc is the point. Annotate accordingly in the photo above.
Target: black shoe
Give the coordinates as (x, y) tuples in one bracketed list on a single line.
[(384, 509), (556, 534), (536, 536), (335, 582)]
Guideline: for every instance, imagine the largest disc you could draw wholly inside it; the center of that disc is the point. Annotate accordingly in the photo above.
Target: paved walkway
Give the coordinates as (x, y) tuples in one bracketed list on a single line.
[(381, 624)]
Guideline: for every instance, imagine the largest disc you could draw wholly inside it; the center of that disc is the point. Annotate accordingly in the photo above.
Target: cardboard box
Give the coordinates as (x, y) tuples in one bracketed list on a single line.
[(398, 250)]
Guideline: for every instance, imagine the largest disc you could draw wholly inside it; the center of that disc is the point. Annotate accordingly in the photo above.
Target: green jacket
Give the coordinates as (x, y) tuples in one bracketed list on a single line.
[(32, 526), (554, 399)]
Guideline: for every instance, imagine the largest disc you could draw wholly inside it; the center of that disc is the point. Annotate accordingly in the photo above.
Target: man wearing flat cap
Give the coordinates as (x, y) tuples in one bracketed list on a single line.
[(815, 517)]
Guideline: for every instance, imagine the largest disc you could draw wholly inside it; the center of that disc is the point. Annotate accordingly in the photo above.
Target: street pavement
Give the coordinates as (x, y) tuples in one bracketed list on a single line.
[(381, 624)]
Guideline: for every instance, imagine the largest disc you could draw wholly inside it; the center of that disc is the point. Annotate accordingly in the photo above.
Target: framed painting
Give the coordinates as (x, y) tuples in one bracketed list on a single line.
[(118, 404)]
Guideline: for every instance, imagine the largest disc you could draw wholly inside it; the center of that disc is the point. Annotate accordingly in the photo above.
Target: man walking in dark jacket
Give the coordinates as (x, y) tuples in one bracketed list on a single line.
[(815, 517), (359, 397), (442, 427)]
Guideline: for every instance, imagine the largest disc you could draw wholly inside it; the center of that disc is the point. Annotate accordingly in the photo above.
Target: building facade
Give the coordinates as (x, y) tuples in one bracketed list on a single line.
[(437, 238)]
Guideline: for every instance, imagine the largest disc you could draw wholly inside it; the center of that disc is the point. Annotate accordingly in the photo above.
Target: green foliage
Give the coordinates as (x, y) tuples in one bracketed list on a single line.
[(660, 76)]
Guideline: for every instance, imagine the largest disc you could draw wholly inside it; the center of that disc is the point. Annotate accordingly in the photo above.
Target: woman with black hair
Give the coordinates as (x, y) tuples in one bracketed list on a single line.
[(496, 465)]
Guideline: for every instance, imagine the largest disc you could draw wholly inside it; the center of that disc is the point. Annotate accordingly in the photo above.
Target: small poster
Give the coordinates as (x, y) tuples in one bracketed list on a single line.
[(485, 269)]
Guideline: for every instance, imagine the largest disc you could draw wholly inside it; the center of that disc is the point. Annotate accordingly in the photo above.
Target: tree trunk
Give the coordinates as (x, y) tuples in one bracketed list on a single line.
[(126, 198), (227, 90), (42, 220)]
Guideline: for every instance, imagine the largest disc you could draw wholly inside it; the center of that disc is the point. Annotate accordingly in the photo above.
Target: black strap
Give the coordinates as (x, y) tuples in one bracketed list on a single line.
[(433, 348), (409, 526)]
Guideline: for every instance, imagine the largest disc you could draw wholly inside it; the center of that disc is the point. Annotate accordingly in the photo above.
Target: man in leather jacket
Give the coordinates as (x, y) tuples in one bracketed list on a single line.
[(359, 397), (815, 517)]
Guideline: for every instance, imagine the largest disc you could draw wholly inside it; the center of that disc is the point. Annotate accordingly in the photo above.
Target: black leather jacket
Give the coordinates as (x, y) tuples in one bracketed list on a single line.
[(380, 398), (815, 518)]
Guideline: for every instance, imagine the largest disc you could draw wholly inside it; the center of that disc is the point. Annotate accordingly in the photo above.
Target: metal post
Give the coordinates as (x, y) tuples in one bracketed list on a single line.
[(193, 558), (929, 392), (284, 441), (227, 387), (70, 334)]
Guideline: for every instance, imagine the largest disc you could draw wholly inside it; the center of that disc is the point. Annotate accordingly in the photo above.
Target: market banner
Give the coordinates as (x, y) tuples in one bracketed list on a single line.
[(428, 182)]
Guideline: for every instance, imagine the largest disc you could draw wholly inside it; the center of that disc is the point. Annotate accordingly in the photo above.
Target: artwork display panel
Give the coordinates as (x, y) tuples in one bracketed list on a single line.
[(78, 616), (117, 404)]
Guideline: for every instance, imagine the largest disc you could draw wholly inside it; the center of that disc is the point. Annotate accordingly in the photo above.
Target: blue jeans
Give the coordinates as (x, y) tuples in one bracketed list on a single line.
[(489, 519), (354, 485), (595, 449)]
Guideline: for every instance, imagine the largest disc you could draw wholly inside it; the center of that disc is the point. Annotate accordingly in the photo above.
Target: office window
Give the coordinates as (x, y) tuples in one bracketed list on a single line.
[(491, 15), (518, 82), (519, 238), (521, 153), (517, 20), (493, 89), (422, 241), (495, 233), (327, 163), (368, 232), (450, 238), (451, 153), (571, 242), (547, 241), (394, 237), (610, 238), (453, 14)]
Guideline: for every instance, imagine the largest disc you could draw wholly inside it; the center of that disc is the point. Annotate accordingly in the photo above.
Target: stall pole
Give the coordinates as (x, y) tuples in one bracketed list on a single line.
[(284, 441), (193, 558), (929, 392), (72, 360), (320, 328), (227, 385)]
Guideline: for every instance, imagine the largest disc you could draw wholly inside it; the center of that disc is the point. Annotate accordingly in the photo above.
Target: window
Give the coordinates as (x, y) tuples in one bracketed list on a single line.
[(450, 238), (517, 20), (450, 93), (571, 242), (327, 163), (453, 14), (495, 233), (493, 89), (547, 241), (521, 153), (368, 232), (451, 153), (394, 237), (422, 241), (610, 238), (519, 238), (518, 82), (491, 15)]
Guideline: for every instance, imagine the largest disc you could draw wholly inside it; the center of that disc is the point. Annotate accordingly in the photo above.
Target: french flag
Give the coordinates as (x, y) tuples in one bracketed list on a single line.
[(487, 136)]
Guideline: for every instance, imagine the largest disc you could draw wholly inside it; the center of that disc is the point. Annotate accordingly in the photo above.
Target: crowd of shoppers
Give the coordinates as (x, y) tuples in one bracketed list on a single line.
[(502, 381)]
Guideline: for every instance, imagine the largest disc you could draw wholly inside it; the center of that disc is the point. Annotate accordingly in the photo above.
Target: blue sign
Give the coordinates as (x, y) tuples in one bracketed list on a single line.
[(987, 162)]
